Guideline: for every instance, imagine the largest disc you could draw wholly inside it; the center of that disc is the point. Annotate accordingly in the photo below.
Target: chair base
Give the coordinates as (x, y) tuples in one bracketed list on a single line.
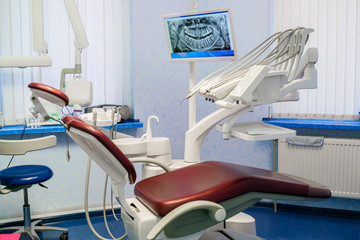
[(31, 231), (223, 234)]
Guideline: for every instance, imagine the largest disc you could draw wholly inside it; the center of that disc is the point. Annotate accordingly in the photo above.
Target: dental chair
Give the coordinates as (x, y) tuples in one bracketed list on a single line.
[(16, 178), (184, 202)]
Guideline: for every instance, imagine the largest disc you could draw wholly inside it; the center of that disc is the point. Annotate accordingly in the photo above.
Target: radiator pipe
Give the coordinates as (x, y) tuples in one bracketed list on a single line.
[(275, 141)]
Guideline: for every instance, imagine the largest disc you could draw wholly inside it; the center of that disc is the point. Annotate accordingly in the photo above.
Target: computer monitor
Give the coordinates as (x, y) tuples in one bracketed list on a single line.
[(200, 35)]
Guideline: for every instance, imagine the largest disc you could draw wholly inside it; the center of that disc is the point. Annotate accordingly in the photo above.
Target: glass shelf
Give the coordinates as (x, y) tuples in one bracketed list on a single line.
[(18, 129), (314, 123)]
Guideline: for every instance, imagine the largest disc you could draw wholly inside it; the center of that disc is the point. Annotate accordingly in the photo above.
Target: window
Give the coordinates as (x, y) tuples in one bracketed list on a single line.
[(337, 37), (106, 62)]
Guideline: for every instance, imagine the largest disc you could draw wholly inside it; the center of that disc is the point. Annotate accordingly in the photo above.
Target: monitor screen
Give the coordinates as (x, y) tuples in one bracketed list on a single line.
[(200, 36)]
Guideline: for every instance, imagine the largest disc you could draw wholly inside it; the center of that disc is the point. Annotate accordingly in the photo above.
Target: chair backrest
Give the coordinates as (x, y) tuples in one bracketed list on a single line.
[(96, 144), (101, 149), (20, 147)]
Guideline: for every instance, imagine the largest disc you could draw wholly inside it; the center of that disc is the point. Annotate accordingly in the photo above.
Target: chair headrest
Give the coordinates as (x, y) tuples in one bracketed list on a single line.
[(49, 93)]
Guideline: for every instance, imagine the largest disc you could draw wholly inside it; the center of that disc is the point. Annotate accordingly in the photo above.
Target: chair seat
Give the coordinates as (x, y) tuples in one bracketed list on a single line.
[(217, 182), (25, 175)]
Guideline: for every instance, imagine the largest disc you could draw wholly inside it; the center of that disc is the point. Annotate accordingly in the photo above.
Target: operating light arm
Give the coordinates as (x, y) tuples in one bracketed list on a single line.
[(80, 41), (39, 44)]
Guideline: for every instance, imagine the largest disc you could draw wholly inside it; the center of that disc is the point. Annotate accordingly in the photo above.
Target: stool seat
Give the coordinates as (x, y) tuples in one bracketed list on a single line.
[(25, 175)]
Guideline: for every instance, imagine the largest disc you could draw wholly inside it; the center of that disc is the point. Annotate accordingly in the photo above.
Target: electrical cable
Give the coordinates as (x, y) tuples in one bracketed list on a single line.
[(22, 135), (56, 120)]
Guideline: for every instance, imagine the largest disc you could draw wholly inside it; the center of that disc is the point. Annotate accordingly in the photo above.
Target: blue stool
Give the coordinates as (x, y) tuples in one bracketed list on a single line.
[(23, 177)]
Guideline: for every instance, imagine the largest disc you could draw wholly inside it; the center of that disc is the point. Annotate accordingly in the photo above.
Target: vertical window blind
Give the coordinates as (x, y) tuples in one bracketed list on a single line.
[(106, 62), (337, 37)]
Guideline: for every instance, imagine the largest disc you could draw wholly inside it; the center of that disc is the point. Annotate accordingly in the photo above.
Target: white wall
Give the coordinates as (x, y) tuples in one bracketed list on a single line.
[(160, 86)]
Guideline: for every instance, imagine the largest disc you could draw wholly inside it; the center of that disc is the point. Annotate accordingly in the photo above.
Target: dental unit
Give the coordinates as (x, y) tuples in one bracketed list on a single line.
[(255, 80), (180, 199)]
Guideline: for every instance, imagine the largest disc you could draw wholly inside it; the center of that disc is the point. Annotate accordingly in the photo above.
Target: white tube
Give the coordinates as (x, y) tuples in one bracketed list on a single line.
[(104, 211), (86, 203)]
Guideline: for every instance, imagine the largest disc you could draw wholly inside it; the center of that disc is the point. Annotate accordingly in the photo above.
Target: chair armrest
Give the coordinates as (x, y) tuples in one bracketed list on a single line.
[(20, 147), (150, 160), (216, 212)]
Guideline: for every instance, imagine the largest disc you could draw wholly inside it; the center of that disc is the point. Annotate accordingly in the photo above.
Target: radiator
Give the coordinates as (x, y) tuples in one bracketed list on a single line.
[(336, 164)]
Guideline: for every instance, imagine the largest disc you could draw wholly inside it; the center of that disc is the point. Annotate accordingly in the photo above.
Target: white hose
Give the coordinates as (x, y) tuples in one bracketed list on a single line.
[(86, 200), (104, 211), (112, 207), (234, 71)]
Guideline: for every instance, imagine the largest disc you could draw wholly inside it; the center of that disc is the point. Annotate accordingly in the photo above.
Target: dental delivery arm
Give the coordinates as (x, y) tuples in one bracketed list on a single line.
[(80, 41), (195, 136), (241, 86), (235, 70)]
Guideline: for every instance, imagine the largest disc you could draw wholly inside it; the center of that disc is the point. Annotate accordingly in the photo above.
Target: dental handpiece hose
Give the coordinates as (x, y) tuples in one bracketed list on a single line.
[(87, 206)]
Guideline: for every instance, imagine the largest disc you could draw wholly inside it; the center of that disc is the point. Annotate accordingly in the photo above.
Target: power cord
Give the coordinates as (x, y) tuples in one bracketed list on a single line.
[(22, 135)]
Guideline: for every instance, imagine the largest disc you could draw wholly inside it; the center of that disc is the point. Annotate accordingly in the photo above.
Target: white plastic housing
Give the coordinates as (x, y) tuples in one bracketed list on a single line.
[(80, 91), (131, 147), (98, 117), (141, 223)]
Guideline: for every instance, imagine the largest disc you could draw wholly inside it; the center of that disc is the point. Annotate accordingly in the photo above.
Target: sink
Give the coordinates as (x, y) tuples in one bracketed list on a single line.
[(131, 147)]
